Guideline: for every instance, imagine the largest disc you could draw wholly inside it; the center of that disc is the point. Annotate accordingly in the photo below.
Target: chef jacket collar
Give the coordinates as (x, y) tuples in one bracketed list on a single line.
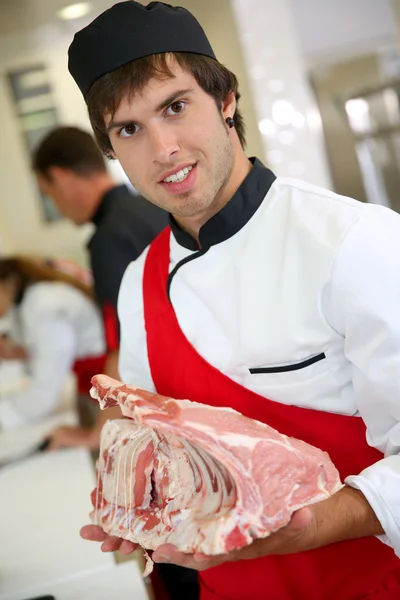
[(234, 215)]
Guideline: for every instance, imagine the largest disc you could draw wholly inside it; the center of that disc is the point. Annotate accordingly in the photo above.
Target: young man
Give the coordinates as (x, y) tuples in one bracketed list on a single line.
[(268, 295), (71, 170)]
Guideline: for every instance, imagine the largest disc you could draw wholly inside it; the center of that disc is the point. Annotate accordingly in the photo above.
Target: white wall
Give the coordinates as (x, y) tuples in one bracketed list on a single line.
[(22, 227)]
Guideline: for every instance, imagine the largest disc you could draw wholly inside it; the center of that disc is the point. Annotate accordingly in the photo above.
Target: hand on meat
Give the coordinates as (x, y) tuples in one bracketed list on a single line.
[(201, 485), (110, 543), (345, 515)]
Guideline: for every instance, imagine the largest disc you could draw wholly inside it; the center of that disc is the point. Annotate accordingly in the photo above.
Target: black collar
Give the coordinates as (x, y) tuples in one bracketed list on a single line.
[(107, 201), (234, 215)]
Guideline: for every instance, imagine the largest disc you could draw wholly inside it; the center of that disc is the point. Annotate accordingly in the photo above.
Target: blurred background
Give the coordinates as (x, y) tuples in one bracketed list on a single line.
[(320, 84)]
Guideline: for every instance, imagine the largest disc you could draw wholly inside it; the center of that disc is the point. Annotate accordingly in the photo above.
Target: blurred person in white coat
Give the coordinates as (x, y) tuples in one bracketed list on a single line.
[(60, 330)]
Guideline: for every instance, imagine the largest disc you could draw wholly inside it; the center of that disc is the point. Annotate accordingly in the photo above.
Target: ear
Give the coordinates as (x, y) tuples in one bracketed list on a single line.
[(43, 179), (58, 174), (229, 106)]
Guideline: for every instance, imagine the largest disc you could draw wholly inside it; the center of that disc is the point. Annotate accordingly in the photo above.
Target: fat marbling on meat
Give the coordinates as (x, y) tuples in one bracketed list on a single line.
[(202, 478)]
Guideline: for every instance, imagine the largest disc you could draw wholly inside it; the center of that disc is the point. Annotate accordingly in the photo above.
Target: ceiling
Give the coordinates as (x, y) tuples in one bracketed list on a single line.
[(21, 16), (322, 25)]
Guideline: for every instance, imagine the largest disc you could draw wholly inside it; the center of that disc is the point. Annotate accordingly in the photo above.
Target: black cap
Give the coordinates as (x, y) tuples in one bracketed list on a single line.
[(128, 31)]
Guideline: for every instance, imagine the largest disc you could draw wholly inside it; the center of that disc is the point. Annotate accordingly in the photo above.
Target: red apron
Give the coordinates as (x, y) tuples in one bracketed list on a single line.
[(85, 368), (351, 570)]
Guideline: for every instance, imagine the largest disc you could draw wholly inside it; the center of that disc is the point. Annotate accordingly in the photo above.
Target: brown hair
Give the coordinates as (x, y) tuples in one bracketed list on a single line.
[(29, 270), (107, 92), (70, 148)]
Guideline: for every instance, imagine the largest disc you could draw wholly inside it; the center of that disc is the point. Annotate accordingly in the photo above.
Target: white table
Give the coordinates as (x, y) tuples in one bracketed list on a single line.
[(44, 501), (118, 582), (16, 441)]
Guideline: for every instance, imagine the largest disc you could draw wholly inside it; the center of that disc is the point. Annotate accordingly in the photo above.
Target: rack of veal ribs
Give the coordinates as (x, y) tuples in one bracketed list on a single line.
[(202, 478)]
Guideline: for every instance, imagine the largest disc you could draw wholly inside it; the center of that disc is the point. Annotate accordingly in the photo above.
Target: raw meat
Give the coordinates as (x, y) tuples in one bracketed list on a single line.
[(202, 478)]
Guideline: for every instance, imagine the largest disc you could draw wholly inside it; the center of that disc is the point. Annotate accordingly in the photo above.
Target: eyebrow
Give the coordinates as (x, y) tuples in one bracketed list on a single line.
[(173, 97), (117, 124)]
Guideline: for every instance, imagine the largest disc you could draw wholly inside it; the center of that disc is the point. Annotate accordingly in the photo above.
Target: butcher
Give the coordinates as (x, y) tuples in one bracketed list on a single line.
[(265, 294)]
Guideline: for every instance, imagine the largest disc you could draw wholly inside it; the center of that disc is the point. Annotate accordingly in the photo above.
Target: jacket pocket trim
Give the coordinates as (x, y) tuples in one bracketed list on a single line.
[(293, 367)]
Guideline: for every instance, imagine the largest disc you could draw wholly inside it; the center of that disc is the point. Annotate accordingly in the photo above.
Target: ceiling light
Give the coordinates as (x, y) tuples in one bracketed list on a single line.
[(276, 86), (298, 120), (286, 137), (74, 11), (267, 127), (282, 112)]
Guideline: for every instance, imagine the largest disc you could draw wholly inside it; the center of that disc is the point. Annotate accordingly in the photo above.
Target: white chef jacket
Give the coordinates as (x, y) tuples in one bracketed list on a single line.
[(295, 295), (12, 372), (58, 325)]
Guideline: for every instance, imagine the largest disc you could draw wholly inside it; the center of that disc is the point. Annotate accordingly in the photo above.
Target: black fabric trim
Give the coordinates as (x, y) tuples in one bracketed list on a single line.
[(179, 265), (234, 215), (119, 191), (285, 368)]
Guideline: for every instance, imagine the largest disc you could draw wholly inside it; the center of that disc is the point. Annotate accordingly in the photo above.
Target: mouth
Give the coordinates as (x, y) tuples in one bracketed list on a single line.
[(181, 180), (178, 175)]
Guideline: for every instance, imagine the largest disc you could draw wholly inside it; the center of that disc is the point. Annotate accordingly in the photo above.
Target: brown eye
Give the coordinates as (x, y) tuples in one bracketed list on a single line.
[(176, 108), (128, 131)]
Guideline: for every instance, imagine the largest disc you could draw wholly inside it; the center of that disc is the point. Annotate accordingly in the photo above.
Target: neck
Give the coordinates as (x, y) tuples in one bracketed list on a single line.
[(240, 169), (97, 187)]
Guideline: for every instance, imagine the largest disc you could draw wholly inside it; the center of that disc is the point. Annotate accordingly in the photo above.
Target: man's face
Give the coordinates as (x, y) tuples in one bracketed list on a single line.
[(173, 144), (60, 185)]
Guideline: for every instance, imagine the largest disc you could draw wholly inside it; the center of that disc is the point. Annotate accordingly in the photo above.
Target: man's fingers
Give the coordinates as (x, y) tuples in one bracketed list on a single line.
[(301, 519), (127, 547), (111, 544), (53, 444), (167, 553), (93, 533), (57, 438)]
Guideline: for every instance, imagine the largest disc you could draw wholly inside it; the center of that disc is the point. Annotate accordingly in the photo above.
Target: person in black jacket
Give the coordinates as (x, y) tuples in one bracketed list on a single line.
[(70, 169)]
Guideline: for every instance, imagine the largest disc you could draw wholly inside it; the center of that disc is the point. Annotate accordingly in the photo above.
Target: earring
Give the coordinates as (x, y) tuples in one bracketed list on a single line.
[(230, 122)]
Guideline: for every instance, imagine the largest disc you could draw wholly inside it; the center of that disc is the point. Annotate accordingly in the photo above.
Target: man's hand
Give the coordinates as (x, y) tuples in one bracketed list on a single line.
[(66, 437), (345, 515), (84, 437), (298, 535), (11, 351), (199, 561), (110, 543)]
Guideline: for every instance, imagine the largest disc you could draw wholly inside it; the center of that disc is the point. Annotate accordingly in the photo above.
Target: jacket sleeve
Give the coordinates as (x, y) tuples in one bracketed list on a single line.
[(52, 347), (362, 303)]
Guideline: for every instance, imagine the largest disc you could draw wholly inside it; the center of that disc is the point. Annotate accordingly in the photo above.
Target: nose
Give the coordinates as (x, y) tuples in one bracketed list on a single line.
[(163, 143)]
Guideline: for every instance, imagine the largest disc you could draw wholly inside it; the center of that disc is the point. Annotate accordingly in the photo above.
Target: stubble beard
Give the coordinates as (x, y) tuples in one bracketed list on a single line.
[(190, 205)]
